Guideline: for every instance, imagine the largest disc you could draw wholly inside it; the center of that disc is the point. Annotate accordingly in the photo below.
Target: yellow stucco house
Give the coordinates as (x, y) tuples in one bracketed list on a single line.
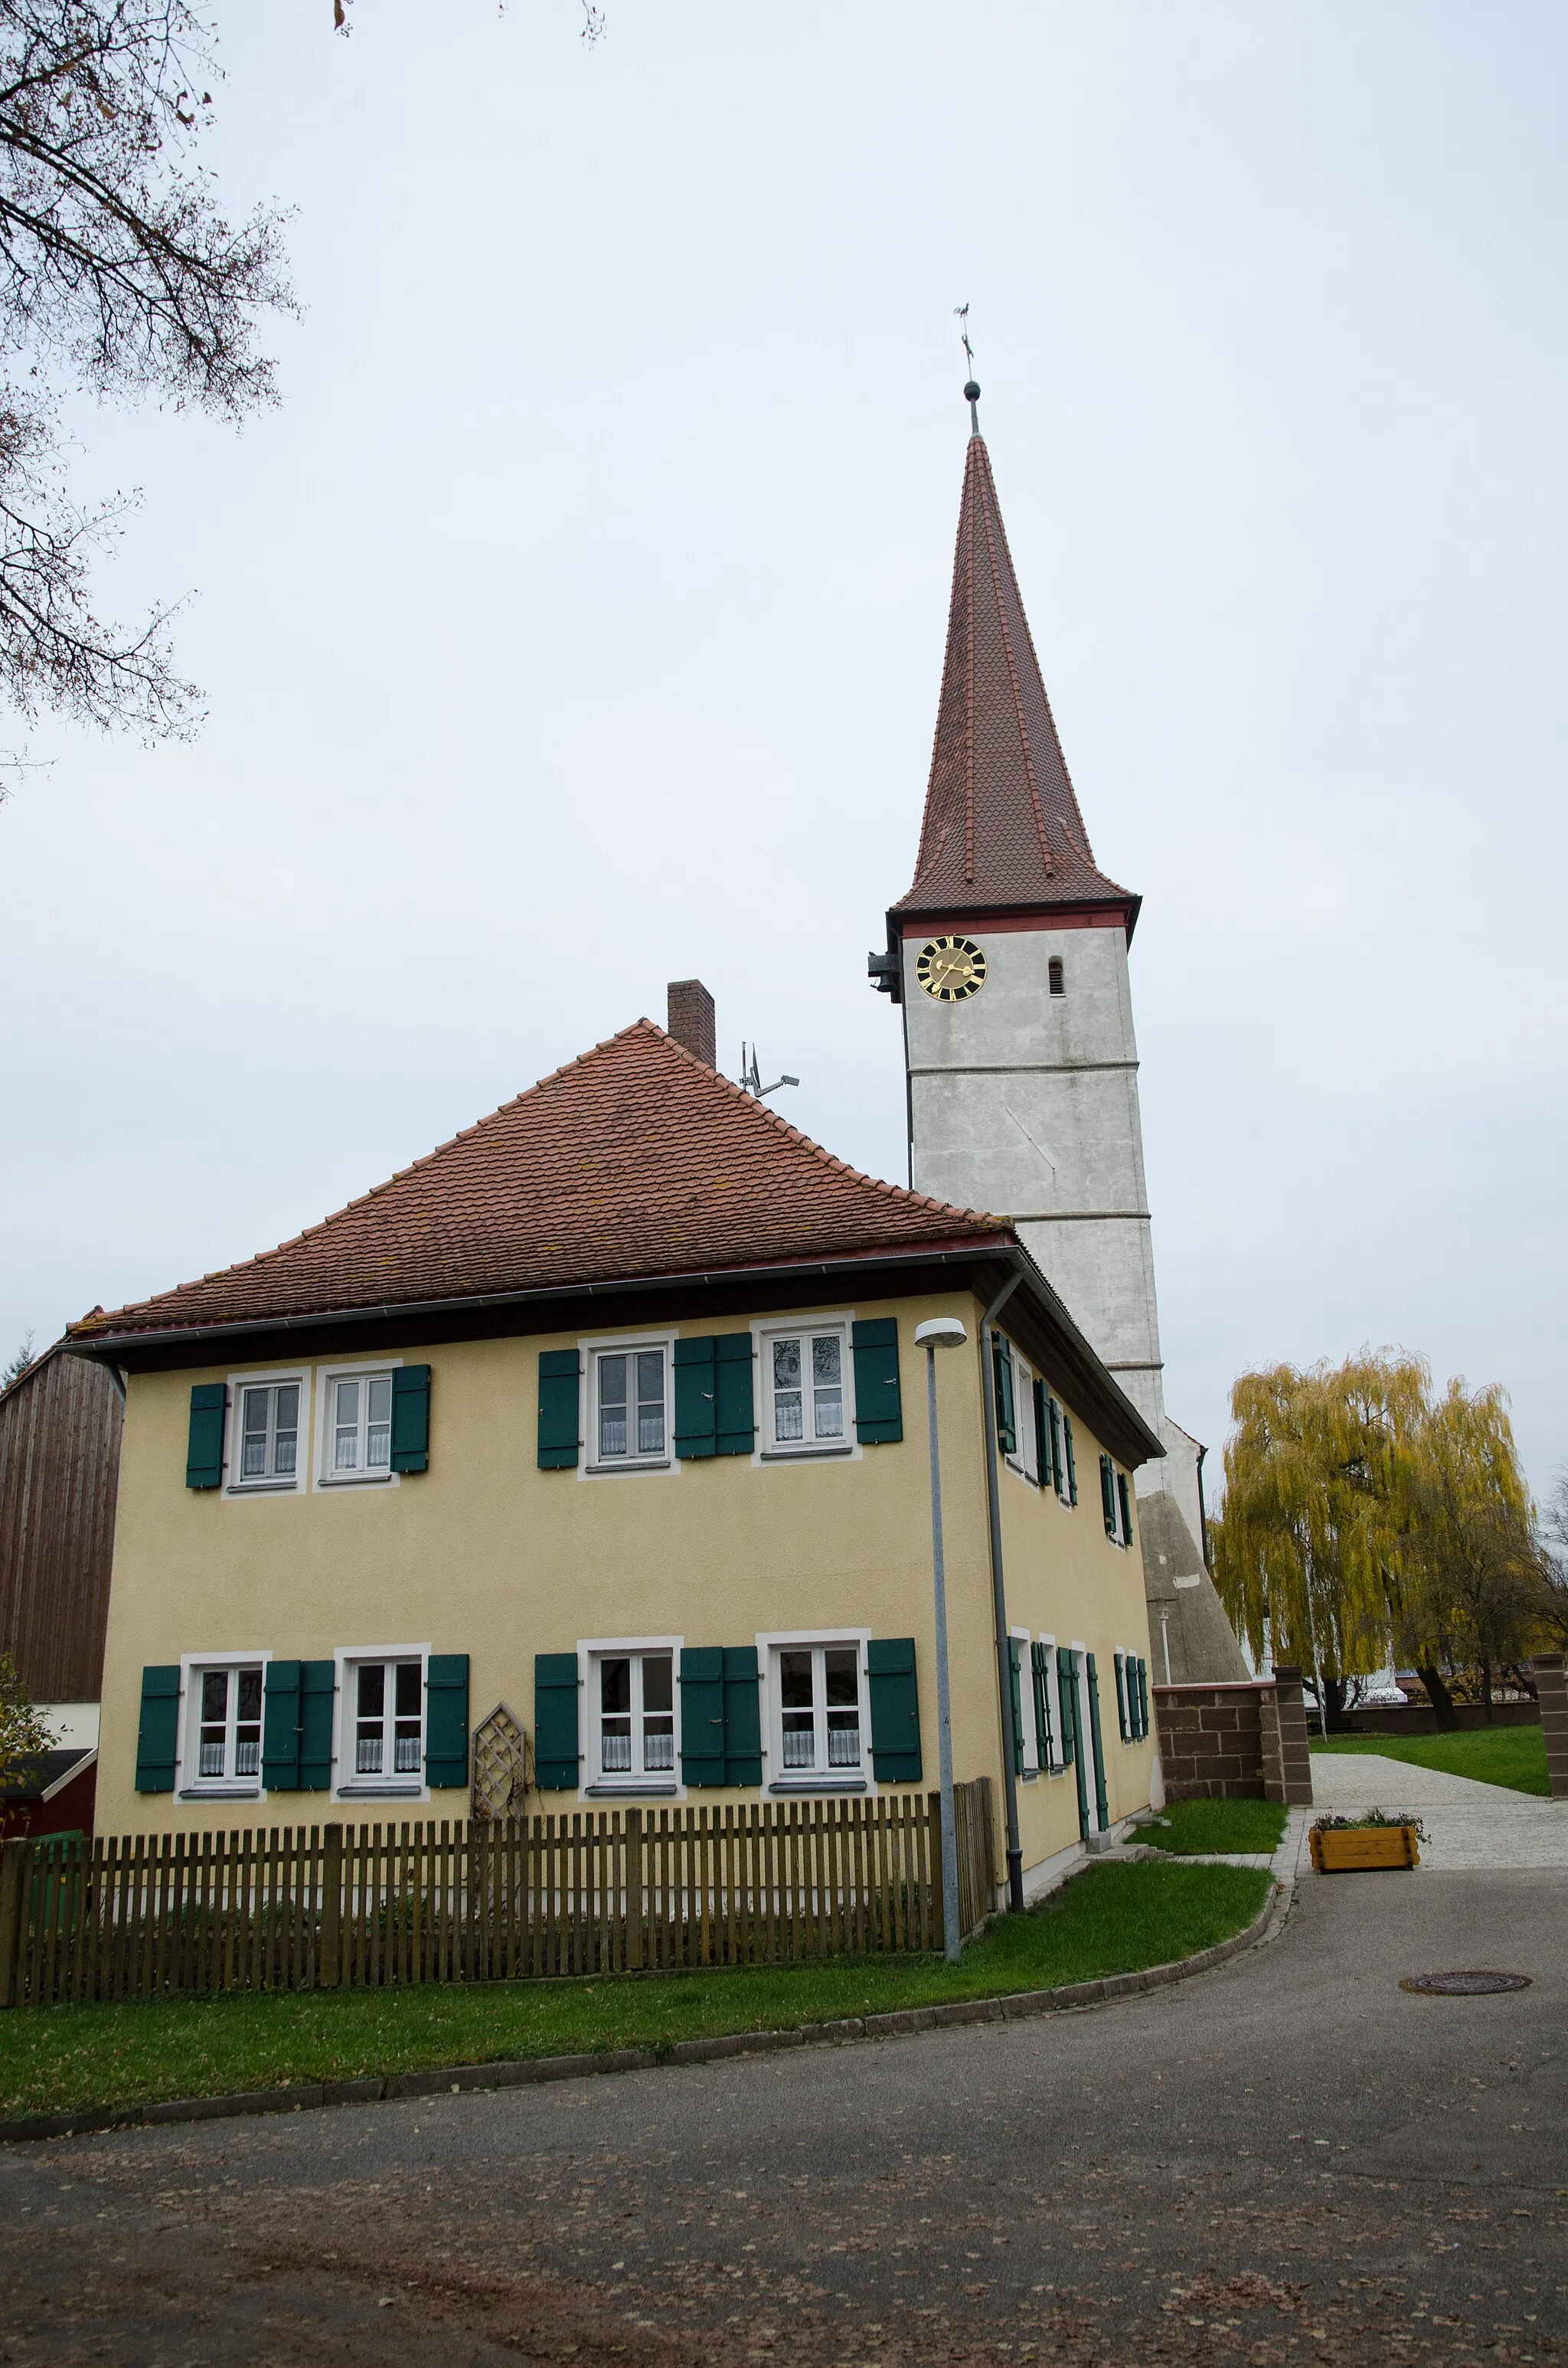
[(609, 1412)]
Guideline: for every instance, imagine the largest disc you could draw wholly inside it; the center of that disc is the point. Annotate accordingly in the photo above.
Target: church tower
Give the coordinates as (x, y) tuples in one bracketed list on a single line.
[(1008, 956)]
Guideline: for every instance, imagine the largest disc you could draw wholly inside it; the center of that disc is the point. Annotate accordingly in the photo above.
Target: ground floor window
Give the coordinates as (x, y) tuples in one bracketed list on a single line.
[(636, 1713), (227, 1717), (817, 1688), (387, 1704)]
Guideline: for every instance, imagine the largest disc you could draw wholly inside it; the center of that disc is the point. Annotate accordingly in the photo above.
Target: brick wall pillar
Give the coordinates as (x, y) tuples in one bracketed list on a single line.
[(1295, 1760), (1552, 1684)]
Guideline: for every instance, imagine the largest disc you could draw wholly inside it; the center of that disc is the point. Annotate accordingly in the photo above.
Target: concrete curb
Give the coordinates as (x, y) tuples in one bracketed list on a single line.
[(455, 2079)]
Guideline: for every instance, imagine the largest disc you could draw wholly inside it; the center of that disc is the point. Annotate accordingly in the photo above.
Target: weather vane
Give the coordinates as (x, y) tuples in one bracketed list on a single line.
[(971, 391)]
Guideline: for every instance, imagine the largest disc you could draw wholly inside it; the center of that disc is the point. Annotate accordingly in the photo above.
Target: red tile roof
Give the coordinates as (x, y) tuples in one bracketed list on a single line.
[(1002, 825), (633, 1161)]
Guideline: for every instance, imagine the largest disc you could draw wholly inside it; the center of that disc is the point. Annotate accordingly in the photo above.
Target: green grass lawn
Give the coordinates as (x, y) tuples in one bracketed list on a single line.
[(1188, 1825), (1112, 1919), (1513, 1756)]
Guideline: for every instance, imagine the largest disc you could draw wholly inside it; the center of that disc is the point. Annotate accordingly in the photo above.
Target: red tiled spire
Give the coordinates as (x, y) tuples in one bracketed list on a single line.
[(1002, 824)]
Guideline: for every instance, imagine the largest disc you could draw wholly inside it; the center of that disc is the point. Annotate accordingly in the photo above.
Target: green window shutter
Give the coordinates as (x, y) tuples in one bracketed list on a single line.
[(280, 1727), (1042, 1436), (895, 1710), (696, 1426), (1126, 1710), (702, 1714), (1143, 1696), (1058, 1469), (735, 1415), (1007, 1416), (559, 1436), (1015, 1688), (204, 1452), (1067, 1703), (1102, 1816), (157, 1737), (445, 1721), (411, 1418), (318, 1693), (1124, 1506), (556, 1746), (1107, 1496), (1040, 1667), (742, 1711), (1071, 1466), (878, 1400)]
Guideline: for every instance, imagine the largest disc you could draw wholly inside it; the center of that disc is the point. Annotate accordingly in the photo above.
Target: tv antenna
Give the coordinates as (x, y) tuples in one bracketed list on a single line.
[(751, 1076)]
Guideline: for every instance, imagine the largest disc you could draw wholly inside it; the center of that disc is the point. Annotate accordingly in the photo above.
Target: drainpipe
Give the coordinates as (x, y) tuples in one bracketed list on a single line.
[(999, 1600)]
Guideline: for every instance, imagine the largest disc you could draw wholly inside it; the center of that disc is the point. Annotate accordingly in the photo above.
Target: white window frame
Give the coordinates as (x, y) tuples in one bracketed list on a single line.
[(1021, 1637), (358, 1368), (1025, 1460), (189, 1783), (347, 1660), (599, 1783), (771, 1451), (790, 1783), (233, 1432), (622, 1344)]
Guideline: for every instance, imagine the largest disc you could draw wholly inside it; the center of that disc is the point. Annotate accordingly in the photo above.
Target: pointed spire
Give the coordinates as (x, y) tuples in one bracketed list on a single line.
[(1002, 825)]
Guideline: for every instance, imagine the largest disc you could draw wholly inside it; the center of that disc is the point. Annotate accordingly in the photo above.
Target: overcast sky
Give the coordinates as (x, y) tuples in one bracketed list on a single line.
[(576, 622)]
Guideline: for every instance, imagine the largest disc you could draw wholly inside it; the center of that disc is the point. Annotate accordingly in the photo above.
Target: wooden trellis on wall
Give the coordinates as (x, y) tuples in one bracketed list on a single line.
[(503, 1765)]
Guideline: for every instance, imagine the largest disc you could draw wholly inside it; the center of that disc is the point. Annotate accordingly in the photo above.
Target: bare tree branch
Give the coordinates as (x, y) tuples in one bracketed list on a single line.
[(119, 276)]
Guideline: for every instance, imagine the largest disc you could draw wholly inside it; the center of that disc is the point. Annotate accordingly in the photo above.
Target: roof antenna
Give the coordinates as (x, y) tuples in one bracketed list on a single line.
[(751, 1076), (971, 391)]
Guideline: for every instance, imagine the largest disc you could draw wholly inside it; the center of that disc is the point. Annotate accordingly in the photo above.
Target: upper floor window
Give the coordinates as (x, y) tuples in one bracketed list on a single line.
[(268, 1435), (637, 1722), (227, 1707), (360, 1427), (805, 1390), (630, 1408), (1058, 984)]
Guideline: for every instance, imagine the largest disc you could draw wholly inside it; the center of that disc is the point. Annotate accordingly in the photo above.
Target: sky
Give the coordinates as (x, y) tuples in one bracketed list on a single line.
[(575, 623)]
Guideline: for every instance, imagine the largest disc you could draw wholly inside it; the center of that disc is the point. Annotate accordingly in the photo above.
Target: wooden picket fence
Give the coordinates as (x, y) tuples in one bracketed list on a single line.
[(585, 1891)]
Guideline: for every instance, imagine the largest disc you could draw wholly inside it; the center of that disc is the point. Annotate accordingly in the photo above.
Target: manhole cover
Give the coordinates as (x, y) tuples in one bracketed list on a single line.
[(1464, 1985)]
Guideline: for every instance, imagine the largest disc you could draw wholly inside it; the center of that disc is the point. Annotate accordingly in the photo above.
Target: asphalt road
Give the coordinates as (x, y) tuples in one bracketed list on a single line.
[(1290, 2158)]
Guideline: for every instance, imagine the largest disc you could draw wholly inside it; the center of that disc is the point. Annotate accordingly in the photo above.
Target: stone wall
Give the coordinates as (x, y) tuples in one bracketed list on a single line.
[(1234, 1742), (1551, 1677)]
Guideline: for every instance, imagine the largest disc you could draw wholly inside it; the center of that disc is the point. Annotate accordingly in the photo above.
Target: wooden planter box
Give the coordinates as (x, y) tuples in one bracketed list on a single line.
[(1354, 1850)]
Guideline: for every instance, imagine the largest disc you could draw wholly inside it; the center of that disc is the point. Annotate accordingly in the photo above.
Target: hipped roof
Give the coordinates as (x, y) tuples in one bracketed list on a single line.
[(634, 1161), (1001, 825)]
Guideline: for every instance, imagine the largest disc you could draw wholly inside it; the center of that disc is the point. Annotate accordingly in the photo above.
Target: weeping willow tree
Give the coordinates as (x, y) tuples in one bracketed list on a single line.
[(1317, 1498), (1469, 1586), (1362, 1516)]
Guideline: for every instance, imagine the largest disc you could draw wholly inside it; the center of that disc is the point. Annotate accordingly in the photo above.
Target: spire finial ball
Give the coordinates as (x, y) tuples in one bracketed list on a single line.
[(972, 392)]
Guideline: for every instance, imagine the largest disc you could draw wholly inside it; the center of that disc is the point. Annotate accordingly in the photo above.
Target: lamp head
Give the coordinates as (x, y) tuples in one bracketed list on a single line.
[(940, 1332)]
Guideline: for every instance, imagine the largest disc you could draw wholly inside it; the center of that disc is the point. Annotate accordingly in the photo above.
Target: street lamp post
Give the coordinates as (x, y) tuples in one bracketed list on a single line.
[(942, 1332)]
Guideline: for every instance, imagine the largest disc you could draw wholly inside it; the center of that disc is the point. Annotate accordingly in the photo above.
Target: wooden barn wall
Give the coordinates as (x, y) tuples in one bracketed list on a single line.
[(59, 1473)]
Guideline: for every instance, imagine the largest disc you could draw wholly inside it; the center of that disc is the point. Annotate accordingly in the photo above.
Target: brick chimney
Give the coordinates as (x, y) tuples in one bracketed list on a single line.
[(691, 1018)]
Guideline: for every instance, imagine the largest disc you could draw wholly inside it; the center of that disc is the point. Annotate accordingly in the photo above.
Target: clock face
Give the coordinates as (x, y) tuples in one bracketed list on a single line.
[(949, 969)]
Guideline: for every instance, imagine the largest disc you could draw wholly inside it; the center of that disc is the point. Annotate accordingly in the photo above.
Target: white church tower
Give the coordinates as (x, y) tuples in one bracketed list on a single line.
[(1008, 956)]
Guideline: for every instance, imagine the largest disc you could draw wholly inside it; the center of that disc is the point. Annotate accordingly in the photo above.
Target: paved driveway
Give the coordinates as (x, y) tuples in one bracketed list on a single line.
[(1468, 1825), (1287, 2159)]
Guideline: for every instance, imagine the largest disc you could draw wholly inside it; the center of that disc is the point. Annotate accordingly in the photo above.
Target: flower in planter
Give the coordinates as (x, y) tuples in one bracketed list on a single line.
[(1370, 1817)]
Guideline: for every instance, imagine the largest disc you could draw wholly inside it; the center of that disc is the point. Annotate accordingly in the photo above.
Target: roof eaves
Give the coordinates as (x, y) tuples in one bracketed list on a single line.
[(960, 1248)]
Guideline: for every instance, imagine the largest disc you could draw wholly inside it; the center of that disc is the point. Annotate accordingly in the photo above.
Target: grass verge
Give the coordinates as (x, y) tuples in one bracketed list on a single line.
[(1513, 1756), (1193, 1826), (1112, 1919)]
